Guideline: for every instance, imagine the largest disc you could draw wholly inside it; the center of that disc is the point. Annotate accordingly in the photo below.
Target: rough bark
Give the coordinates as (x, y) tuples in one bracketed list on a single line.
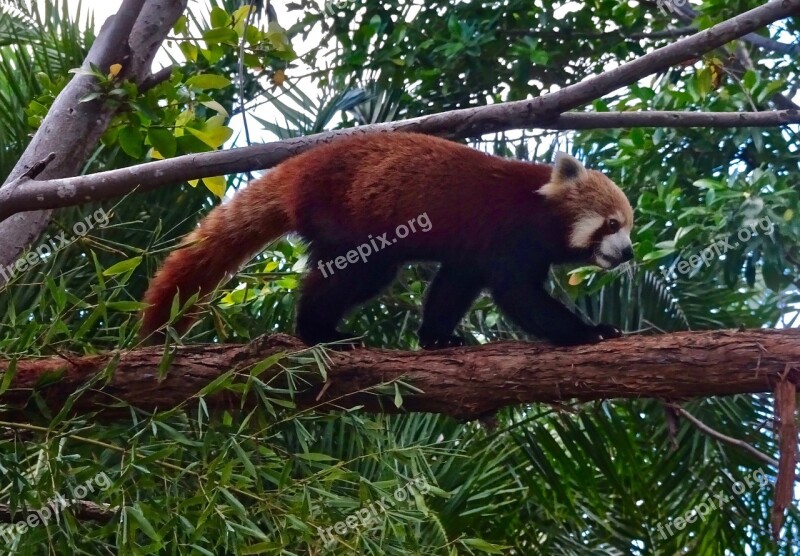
[(465, 383), (72, 128)]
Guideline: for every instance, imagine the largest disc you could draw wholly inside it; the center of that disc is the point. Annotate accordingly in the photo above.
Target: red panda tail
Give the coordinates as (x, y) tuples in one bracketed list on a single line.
[(227, 238)]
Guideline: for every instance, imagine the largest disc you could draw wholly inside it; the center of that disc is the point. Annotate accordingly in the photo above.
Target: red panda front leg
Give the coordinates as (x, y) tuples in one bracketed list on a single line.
[(532, 308)]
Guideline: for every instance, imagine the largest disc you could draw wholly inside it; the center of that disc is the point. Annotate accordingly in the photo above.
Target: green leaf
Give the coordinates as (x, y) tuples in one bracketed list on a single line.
[(312, 456), (123, 266), (180, 25), (214, 137), (216, 184), (208, 81), (658, 254), (220, 35), (130, 139), (144, 524), (481, 544), (8, 375), (126, 306), (163, 141), (219, 17)]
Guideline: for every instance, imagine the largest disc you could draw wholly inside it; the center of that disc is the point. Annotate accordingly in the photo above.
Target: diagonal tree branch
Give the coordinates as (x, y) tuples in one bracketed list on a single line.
[(465, 383), (687, 14), (537, 111), (741, 59), (77, 190), (130, 38)]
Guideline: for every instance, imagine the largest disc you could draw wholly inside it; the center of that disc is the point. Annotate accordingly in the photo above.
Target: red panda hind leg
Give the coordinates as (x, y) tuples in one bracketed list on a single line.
[(448, 298), (325, 296)]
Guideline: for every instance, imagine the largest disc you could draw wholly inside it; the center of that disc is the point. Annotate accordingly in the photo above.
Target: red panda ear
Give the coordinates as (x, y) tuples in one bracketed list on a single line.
[(567, 169)]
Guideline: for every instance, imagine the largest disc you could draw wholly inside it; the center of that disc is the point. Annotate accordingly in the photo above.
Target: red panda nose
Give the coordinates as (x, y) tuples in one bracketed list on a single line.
[(627, 254)]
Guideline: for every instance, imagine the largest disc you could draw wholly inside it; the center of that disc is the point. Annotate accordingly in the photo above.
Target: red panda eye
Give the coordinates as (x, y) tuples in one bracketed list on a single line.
[(613, 224)]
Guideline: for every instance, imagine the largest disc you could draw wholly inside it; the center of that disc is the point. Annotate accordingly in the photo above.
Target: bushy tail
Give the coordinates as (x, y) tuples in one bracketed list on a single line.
[(227, 238)]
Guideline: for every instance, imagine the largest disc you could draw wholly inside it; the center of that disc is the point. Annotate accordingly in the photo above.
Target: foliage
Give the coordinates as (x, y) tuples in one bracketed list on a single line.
[(572, 479)]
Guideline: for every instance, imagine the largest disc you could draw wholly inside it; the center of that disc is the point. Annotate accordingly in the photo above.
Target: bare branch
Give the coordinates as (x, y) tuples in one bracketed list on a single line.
[(465, 383), (458, 123), (713, 433), (156, 78), (77, 190)]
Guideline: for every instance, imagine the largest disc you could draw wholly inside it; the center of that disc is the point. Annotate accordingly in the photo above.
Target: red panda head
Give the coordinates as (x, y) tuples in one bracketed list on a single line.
[(598, 215)]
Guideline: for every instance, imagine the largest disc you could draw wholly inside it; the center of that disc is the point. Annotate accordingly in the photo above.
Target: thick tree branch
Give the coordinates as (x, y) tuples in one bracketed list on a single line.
[(465, 383), (77, 190), (468, 122), (72, 128)]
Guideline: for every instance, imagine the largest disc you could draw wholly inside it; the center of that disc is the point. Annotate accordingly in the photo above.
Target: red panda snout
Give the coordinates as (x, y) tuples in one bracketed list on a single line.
[(614, 249)]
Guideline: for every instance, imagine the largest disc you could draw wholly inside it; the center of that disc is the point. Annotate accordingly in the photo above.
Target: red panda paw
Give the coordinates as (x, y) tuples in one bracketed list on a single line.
[(607, 331)]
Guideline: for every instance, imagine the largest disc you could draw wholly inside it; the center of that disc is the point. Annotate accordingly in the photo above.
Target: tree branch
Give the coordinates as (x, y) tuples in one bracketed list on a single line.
[(458, 123), (64, 192), (72, 128), (687, 14), (741, 59), (465, 383), (713, 433)]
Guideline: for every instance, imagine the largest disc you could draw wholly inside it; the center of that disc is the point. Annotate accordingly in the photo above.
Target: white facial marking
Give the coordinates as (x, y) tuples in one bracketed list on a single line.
[(584, 229), (611, 247)]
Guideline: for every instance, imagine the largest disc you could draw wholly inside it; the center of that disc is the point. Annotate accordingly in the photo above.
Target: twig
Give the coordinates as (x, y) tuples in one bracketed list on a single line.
[(759, 455)]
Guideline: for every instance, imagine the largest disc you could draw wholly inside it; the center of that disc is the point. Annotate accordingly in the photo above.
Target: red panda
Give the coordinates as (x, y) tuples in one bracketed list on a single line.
[(494, 223)]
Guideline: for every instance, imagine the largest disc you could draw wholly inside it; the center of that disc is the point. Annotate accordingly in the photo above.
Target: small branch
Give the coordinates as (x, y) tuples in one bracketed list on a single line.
[(752, 450), (622, 34), (465, 383), (64, 192), (156, 78), (39, 167)]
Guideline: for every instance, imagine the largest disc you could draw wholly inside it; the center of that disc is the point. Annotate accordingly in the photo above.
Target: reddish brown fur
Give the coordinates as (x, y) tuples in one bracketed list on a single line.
[(340, 193)]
